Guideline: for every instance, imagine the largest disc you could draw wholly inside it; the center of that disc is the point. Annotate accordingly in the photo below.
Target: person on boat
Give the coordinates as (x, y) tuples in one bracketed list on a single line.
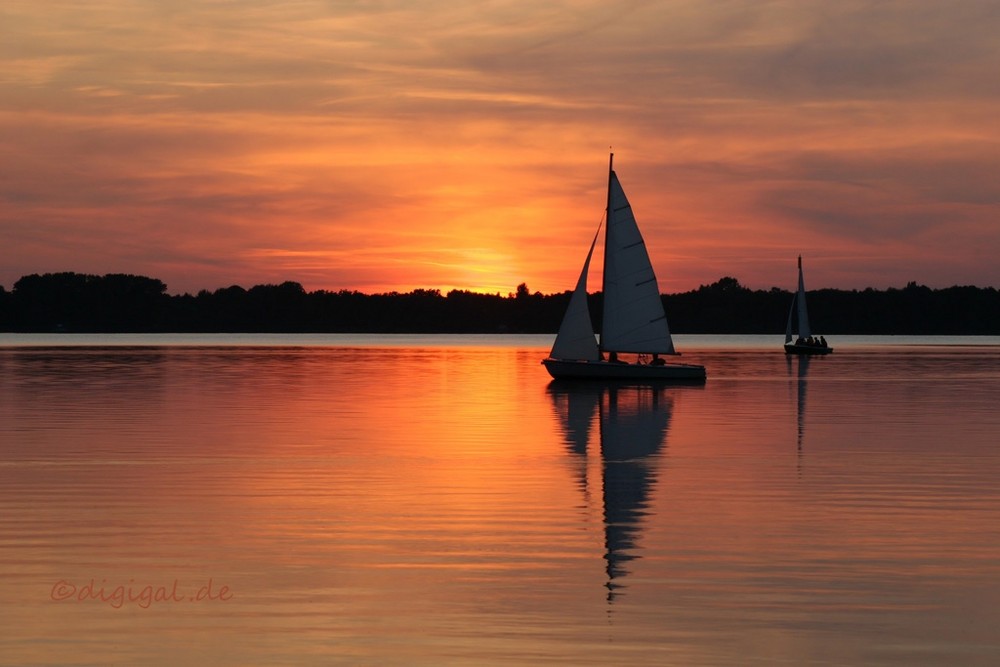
[(656, 361), (822, 342)]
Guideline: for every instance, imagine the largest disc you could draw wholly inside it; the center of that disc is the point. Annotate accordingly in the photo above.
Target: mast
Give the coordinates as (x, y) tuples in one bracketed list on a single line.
[(604, 268)]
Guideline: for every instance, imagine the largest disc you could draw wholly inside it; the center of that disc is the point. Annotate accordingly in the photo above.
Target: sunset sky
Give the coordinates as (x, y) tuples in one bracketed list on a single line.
[(383, 145)]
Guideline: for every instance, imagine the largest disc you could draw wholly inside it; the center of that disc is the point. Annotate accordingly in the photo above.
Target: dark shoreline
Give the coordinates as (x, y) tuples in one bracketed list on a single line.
[(118, 303)]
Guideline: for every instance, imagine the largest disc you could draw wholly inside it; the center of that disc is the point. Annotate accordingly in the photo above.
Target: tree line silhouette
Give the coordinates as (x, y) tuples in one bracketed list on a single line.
[(122, 303)]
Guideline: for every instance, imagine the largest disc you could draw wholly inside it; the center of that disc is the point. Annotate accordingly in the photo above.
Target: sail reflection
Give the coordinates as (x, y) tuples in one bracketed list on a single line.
[(632, 427), (800, 367)]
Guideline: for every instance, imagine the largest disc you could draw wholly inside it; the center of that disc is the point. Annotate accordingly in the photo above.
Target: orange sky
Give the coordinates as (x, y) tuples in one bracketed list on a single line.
[(397, 145)]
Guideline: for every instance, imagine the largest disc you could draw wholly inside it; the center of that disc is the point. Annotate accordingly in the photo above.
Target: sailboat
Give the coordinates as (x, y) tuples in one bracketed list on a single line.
[(634, 321), (804, 343)]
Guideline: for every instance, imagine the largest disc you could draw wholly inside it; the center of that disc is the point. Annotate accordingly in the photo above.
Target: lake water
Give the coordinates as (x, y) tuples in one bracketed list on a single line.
[(421, 500)]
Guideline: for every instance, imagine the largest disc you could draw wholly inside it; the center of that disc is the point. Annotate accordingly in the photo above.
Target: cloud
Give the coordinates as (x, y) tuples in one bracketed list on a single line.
[(410, 145)]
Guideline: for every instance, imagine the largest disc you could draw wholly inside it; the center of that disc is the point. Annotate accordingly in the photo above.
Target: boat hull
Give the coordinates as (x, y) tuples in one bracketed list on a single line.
[(565, 369), (792, 348)]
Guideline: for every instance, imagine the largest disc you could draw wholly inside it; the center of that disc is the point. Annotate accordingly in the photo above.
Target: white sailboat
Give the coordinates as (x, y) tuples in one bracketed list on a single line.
[(805, 342), (634, 321)]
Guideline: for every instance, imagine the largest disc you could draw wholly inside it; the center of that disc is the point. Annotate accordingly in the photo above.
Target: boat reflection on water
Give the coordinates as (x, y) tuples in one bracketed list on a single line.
[(799, 367), (632, 428)]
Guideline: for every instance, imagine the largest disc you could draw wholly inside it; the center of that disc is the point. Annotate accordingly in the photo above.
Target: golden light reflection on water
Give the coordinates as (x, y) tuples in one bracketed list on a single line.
[(450, 505)]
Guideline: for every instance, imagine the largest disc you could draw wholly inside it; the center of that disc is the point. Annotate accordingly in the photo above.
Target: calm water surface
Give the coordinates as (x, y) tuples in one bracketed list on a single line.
[(438, 501)]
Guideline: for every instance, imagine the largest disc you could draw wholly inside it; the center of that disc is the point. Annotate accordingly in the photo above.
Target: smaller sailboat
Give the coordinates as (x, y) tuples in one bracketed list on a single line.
[(805, 342), (634, 321)]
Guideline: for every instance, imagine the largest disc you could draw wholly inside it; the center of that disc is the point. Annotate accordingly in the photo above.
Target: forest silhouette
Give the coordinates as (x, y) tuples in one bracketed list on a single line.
[(123, 303)]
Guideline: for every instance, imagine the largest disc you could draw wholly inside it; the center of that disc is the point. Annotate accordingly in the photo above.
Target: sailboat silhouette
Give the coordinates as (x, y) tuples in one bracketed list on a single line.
[(633, 322)]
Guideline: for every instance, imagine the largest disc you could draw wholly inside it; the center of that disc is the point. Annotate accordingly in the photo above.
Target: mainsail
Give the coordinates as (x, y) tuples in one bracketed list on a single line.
[(634, 320), (799, 307)]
